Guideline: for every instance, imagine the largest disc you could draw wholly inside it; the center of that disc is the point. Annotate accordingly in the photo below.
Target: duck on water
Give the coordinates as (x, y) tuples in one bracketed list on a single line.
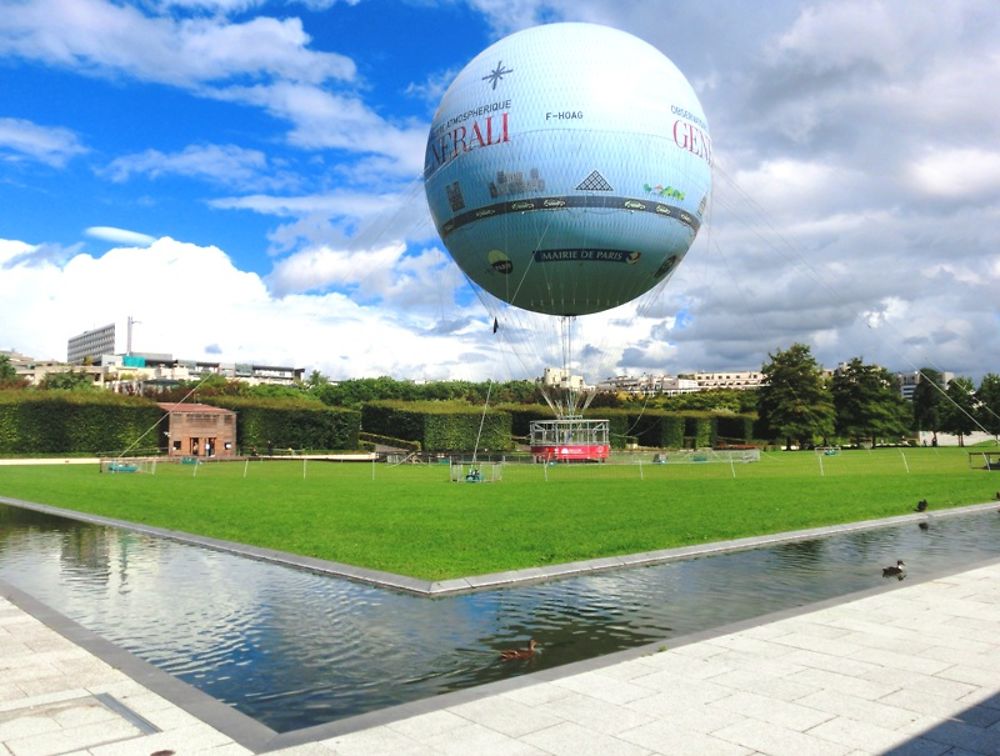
[(897, 570), (519, 653)]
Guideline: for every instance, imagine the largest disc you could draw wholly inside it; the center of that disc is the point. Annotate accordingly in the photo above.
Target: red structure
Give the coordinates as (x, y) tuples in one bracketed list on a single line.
[(199, 430), (570, 440)]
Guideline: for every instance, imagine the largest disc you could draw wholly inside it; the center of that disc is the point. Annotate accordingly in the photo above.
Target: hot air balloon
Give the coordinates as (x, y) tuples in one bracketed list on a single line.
[(567, 170)]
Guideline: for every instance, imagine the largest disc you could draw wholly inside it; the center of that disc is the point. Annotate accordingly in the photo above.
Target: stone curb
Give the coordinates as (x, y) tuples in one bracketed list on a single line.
[(473, 583)]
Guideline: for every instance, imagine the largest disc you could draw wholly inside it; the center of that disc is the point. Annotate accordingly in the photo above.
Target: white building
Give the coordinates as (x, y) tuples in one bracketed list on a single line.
[(649, 385), (90, 345), (908, 382), (563, 379), (145, 373), (730, 379)]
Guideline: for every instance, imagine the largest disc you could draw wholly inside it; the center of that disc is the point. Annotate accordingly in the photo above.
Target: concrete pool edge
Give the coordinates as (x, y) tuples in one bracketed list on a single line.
[(258, 738), (474, 583), (242, 729), (446, 700)]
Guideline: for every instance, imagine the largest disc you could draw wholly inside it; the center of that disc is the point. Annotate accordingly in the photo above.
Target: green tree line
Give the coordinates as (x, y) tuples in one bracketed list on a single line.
[(861, 402)]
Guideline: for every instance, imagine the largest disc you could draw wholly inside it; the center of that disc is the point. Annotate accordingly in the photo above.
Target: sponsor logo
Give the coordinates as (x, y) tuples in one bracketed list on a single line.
[(701, 205), (587, 255), (526, 205), (663, 209), (689, 137), (499, 262), (595, 182), (668, 265), (448, 144), (497, 74), (634, 205), (664, 191), (486, 212), (554, 203), (475, 114), (455, 199), (687, 114), (505, 183)]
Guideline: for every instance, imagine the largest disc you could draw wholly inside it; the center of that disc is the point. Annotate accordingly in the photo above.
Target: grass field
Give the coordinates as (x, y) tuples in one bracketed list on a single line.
[(411, 520)]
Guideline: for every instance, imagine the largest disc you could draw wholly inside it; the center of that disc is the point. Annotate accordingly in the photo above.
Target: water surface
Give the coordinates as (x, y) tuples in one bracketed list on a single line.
[(293, 648)]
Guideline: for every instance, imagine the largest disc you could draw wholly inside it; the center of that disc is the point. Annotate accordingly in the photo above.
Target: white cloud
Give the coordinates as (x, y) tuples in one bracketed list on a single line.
[(120, 236), (957, 173), (223, 7), (24, 140), (357, 219), (857, 210), (230, 7), (224, 164), (311, 269), (196, 304), (112, 39), (432, 89), (262, 62), (322, 120)]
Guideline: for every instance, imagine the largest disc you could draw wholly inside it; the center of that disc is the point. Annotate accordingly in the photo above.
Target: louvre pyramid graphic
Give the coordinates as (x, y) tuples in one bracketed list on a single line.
[(595, 183)]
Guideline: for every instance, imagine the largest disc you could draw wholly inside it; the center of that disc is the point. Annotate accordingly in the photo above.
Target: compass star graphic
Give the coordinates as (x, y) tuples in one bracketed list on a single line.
[(497, 73)]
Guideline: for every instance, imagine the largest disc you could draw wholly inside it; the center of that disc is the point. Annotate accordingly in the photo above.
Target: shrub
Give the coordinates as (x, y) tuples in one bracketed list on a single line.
[(75, 422), (290, 422), (439, 426)]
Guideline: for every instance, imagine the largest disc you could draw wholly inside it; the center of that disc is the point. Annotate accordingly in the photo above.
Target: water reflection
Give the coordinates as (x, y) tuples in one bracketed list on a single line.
[(293, 649)]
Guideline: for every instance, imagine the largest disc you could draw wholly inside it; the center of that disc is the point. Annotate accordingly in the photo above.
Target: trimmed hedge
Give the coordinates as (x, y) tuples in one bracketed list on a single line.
[(74, 422), (452, 426), (370, 440), (290, 423), (522, 415), (677, 430), (735, 427), (439, 426)]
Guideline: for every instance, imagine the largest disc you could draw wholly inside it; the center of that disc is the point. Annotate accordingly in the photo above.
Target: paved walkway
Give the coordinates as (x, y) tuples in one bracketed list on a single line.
[(914, 670)]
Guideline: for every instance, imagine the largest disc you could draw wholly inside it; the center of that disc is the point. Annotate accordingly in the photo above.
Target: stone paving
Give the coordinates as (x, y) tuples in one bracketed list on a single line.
[(913, 670)]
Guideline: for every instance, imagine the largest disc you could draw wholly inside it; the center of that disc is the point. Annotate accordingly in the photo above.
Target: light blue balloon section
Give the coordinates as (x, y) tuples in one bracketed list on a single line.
[(568, 167)]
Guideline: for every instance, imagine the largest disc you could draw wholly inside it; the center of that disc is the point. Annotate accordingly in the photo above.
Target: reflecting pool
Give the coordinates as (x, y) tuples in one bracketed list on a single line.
[(293, 648)]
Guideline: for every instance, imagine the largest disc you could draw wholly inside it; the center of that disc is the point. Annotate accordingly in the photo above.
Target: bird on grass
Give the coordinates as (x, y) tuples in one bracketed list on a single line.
[(921, 506), (519, 653), (896, 570)]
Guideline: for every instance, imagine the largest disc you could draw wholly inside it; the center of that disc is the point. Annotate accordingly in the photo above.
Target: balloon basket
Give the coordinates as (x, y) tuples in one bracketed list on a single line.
[(570, 439)]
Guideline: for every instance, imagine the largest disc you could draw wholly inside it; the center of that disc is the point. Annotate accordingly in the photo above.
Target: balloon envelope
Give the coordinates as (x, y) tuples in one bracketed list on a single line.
[(568, 167)]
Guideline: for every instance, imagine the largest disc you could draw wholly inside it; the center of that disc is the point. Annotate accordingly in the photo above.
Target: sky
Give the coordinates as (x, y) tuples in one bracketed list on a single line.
[(243, 178)]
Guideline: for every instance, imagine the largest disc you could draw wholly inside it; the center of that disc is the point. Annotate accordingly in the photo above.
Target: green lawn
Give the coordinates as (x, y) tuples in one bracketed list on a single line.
[(412, 520)]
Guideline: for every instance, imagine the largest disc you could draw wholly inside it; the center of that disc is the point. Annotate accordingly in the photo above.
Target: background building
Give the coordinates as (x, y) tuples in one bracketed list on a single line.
[(650, 385), (908, 382), (90, 345)]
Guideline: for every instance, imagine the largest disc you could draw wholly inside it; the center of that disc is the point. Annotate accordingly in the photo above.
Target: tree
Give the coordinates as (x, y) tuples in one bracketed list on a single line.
[(7, 371), (868, 403), (71, 379), (720, 399), (316, 379), (794, 399), (8, 374), (928, 396), (988, 403), (958, 409)]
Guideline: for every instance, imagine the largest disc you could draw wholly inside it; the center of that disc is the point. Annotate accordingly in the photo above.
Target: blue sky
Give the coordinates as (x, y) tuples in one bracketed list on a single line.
[(243, 178)]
